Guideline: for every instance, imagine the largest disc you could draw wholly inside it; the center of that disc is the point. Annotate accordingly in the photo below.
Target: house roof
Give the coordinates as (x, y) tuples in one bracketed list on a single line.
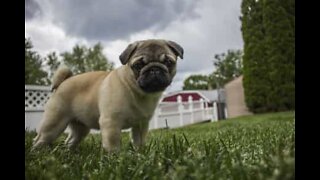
[(209, 95)]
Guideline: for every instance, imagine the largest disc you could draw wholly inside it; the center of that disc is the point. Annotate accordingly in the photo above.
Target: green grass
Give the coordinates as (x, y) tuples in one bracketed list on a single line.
[(251, 147)]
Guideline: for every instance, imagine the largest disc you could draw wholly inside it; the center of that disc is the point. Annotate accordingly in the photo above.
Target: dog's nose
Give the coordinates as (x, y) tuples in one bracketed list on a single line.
[(155, 70)]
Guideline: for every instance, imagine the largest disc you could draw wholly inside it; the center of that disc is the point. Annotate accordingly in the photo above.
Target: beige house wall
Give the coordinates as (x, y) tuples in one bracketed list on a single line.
[(236, 105)]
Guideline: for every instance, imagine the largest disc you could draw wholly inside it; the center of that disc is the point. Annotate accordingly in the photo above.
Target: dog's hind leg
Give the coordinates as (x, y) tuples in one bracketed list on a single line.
[(51, 127), (77, 132)]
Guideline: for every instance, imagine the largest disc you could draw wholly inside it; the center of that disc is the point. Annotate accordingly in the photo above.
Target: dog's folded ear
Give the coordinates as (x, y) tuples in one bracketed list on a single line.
[(176, 48), (128, 52)]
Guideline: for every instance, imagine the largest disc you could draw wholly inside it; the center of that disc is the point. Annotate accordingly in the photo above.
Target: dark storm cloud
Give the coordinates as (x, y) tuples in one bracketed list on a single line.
[(114, 19), (32, 9)]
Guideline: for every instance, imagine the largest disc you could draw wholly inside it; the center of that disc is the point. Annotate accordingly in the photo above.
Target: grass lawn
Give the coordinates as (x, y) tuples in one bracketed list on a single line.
[(250, 147)]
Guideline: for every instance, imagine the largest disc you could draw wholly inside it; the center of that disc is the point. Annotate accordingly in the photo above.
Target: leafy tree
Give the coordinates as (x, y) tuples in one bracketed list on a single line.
[(80, 60), (83, 59), (96, 60), (280, 41), (34, 74), (228, 66), (75, 60), (196, 82), (255, 65), (53, 63), (268, 34)]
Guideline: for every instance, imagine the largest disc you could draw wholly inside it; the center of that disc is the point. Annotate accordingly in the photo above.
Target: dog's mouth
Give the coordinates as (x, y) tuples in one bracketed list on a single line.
[(154, 79)]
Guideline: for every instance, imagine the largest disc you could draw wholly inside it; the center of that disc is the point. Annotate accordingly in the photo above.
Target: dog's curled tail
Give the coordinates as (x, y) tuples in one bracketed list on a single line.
[(59, 76)]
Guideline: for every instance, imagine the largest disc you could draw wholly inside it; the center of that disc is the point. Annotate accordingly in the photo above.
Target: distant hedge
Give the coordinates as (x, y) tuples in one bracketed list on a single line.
[(268, 30)]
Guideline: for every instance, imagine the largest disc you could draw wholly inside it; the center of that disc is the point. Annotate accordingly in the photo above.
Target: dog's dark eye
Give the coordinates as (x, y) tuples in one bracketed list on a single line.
[(168, 62), (138, 65)]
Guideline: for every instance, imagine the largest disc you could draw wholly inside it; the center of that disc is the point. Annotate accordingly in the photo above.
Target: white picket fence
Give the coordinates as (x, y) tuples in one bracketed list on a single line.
[(177, 114), (167, 114), (35, 99)]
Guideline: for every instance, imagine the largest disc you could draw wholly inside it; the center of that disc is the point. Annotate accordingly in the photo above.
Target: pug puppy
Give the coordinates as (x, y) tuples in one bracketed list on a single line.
[(111, 101)]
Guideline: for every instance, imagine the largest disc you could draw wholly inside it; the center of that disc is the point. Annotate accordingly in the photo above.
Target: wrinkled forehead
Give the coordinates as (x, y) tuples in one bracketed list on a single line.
[(153, 50)]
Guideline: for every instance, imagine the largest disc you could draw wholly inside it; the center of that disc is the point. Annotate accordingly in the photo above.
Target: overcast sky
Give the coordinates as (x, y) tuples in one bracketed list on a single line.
[(202, 27)]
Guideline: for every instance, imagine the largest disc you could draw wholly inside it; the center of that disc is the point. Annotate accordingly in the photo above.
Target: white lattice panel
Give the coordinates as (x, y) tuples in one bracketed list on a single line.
[(36, 97)]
